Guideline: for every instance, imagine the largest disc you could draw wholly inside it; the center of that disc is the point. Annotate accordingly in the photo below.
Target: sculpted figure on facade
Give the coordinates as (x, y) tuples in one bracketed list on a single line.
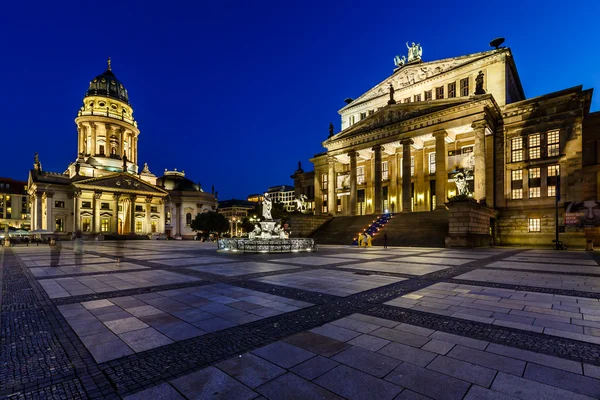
[(330, 129), (267, 206), (399, 61), (415, 51)]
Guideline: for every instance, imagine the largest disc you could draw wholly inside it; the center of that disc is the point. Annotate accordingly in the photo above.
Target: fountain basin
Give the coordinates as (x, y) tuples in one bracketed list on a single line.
[(274, 245)]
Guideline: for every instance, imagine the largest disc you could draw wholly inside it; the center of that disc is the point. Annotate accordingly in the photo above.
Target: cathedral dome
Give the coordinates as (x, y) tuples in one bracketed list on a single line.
[(174, 180), (107, 85)]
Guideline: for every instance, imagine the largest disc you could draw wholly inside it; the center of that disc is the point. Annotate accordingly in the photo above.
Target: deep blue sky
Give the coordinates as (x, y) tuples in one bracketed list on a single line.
[(236, 92)]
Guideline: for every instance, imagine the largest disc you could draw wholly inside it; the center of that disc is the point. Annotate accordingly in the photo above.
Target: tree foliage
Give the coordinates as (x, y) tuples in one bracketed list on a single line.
[(210, 222)]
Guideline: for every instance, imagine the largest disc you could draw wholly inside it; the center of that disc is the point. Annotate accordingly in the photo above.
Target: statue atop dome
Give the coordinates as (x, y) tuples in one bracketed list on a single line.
[(415, 51)]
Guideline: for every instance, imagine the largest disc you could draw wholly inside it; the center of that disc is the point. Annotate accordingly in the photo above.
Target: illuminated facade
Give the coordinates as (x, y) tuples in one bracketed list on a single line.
[(462, 128), (14, 204), (101, 192)]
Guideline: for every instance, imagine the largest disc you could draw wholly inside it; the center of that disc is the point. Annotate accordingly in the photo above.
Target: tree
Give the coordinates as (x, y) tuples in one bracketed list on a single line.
[(210, 222), (247, 225), (279, 212)]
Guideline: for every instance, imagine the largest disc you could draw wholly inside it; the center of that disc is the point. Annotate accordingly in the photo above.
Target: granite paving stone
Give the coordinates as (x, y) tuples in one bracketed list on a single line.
[(163, 391), (490, 360), (318, 344), (356, 385), (314, 367), (211, 383), (463, 370), (293, 387), (284, 354), (427, 382), (562, 379), (407, 353), (368, 342), (251, 370), (526, 389), (367, 361)]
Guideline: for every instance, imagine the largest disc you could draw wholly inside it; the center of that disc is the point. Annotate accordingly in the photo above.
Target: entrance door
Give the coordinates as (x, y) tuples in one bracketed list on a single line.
[(120, 230), (432, 196), (385, 198), (360, 196)]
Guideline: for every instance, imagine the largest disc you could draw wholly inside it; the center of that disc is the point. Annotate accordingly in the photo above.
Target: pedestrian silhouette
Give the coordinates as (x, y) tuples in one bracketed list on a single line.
[(55, 248), (385, 240)]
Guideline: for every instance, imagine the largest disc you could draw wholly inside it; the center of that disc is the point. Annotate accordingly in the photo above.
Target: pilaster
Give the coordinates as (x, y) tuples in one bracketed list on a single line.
[(132, 198), (331, 182), (115, 223), (377, 178), (441, 169), (92, 149), (479, 128), (406, 178), (96, 211), (148, 214), (353, 206)]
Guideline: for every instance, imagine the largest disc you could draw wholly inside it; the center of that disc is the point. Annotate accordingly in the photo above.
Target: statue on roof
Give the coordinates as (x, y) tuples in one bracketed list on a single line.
[(391, 100), (415, 51), (146, 169), (479, 83), (36, 162), (330, 129), (124, 162), (399, 61), (299, 164)]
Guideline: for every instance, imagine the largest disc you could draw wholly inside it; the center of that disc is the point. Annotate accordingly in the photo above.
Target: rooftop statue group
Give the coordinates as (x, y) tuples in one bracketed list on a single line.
[(415, 51)]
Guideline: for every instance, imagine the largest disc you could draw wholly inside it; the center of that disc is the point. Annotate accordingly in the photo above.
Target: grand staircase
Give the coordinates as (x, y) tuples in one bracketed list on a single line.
[(423, 229)]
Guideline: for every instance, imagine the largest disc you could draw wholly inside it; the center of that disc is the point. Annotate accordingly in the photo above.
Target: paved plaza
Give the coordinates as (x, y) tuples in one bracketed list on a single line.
[(175, 320)]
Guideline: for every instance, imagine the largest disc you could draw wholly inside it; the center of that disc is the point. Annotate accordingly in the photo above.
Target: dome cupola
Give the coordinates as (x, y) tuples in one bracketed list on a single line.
[(107, 85)]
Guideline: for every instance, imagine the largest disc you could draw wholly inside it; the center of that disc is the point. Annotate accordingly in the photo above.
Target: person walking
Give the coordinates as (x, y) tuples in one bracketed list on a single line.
[(385, 240), (78, 248), (55, 248)]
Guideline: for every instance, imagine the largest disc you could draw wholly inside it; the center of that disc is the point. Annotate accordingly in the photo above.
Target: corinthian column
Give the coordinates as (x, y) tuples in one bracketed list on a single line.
[(479, 128), (115, 227), (377, 177), (92, 148), (331, 199), (148, 211), (352, 154), (441, 172), (96, 211), (406, 192), (132, 214)]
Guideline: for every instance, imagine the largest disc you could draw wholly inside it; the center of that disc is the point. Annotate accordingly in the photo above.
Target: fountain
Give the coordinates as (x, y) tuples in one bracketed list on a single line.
[(267, 237)]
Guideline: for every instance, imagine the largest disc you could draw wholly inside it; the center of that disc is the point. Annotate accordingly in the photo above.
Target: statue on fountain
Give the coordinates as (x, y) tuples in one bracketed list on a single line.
[(255, 233), (267, 206)]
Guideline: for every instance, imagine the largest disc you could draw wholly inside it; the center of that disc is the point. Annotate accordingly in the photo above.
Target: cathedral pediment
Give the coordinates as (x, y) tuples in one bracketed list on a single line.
[(395, 113), (122, 183), (418, 72)]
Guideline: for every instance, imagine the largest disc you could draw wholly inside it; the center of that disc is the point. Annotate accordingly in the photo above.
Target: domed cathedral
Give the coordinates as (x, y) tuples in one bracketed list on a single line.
[(101, 192), (457, 148)]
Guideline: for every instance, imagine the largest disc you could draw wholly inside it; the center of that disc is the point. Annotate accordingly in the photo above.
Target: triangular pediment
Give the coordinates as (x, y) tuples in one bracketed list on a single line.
[(395, 113), (122, 183), (418, 72)]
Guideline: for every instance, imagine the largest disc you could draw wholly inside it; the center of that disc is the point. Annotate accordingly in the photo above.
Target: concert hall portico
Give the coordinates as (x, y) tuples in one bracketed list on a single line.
[(401, 158)]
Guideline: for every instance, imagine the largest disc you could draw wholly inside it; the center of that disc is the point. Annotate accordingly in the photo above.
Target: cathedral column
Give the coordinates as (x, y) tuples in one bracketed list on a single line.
[(96, 211), (331, 199), (162, 216), (406, 178), (38, 210), (76, 196), (353, 206), (81, 133), (319, 192), (441, 169), (132, 214), (92, 148), (479, 128), (148, 211), (178, 218), (377, 178), (135, 150), (120, 143), (49, 222), (115, 227)]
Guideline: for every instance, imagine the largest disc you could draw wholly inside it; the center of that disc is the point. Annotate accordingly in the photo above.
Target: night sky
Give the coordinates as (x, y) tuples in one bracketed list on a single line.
[(237, 92)]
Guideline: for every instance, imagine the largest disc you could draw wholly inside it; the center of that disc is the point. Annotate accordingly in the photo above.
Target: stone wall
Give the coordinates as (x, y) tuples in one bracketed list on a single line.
[(304, 225), (469, 224)]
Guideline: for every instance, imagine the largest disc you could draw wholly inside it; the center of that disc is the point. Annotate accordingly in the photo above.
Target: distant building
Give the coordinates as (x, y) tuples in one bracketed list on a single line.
[(304, 185), (283, 194), (235, 211), (256, 198), (14, 204)]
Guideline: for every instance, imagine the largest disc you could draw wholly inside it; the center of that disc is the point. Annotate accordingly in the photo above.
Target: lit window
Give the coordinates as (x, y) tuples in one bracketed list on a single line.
[(516, 184), (104, 224), (407, 100), (154, 226), (138, 226), (553, 176), (516, 147), (432, 163), (324, 181), (464, 87), (360, 175), (385, 171), (534, 183), (428, 95), (86, 224), (417, 97), (59, 225), (363, 115), (412, 166), (535, 225), (452, 90), (534, 146), (324, 203), (188, 219), (534, 173), (553, 144), (59, 204), (439, 92)]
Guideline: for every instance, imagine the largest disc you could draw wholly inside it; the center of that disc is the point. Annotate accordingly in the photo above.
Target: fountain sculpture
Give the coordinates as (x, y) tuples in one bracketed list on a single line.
[(267, 237)]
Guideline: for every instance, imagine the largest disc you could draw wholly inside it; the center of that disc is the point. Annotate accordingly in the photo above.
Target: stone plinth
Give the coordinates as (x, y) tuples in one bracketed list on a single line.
[(469, 224), (266, 245)]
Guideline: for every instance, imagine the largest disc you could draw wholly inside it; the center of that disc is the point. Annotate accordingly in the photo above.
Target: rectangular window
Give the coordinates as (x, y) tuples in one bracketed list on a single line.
[(154, 226), (105, 224), (363, 115), (360, 175), (417, 97), (432, 163), (153, 209), (464, 87), (325, 203), (412, 166), (101, 149), (553, 149), (407, 100), (86, 204), (427, 95), (551, 180), (534, 183), (324, 181), (385, 171), (451, 90), (533, 143), (439, 92), (139, 208), (535, 225), (86, 224), (59, 225), (104, 206), (138, 226), (59, 204), (516, 148), (371, 112), (516, 183)]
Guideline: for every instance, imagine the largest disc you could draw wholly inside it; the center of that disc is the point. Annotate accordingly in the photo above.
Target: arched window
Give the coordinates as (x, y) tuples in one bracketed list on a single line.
[(188, 219)]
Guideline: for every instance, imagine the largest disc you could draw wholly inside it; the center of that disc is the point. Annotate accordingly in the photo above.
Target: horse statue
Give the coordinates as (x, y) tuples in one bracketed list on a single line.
[(301, 203)]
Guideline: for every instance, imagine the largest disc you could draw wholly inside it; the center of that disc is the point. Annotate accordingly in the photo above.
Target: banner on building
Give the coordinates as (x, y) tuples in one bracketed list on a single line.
[(582, 213), (462, 162), (343, 182)]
